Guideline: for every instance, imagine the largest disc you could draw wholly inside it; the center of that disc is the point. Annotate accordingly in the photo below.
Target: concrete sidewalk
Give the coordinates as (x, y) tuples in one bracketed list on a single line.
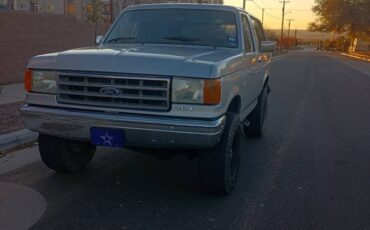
[(15, 139), (357, 56), (12, 93), (359, 65)]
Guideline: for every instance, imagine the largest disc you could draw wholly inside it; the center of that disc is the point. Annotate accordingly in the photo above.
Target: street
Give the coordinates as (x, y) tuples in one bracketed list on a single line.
[(310, 171)]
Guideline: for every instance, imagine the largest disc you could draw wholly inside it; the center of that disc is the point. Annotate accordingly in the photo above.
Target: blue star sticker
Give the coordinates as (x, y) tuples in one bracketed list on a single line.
[(107, 139)]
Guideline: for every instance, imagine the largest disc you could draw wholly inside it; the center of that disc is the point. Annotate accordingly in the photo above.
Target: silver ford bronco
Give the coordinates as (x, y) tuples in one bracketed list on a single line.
[(165, 79)]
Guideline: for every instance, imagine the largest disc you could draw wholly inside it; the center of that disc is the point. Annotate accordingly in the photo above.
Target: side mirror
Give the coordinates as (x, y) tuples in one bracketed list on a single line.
[(98, 39), (268, 46)]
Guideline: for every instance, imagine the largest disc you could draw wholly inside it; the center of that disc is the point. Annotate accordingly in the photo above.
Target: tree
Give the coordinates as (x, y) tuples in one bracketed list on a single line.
[(94, 11), (351, 16)]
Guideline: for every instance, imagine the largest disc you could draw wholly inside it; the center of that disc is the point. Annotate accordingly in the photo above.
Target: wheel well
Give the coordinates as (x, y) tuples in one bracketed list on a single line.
[(234, 105)]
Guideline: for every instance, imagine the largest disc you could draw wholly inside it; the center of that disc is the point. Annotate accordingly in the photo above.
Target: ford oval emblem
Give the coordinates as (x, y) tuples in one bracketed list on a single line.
[(110, 91)]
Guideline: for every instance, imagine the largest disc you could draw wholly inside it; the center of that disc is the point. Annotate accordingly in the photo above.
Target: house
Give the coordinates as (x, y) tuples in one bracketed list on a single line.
[(79, 9), (4, 5), (43, 6), (119, 5)]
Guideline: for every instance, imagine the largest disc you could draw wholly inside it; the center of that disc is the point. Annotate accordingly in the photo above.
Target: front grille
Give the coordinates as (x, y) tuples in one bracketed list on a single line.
[(126, 92)]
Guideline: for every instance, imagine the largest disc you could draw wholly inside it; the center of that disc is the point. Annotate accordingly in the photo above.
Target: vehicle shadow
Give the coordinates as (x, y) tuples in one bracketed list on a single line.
[(123, 187)]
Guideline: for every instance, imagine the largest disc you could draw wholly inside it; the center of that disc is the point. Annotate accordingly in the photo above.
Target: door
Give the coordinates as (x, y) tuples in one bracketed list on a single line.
[(262, 58), (249, 80)]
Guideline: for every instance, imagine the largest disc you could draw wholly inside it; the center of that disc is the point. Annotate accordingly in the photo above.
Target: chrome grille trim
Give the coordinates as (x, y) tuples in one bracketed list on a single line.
[(146, 93)]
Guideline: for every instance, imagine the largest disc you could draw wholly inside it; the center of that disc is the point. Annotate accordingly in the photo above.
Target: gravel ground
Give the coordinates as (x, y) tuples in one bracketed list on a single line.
[(10, 119)]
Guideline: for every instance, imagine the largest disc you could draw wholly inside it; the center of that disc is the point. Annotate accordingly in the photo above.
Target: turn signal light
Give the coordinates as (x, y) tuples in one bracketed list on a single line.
[(212, 92)]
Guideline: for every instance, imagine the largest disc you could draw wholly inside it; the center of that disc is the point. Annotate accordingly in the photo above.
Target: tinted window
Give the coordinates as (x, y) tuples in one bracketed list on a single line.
[(249, 47), (261, 36), (176, 26)]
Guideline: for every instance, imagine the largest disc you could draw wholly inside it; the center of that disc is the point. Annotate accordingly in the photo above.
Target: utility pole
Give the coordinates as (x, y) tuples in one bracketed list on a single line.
[(263, 14), (295, 37), (289, 21), (244, 3), (282, 23)]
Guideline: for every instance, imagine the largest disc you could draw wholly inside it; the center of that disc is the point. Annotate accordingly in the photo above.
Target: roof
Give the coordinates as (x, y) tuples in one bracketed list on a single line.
[(184, 6)]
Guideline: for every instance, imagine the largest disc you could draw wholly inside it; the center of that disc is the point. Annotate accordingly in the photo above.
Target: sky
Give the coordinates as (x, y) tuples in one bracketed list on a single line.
[(300, 11)]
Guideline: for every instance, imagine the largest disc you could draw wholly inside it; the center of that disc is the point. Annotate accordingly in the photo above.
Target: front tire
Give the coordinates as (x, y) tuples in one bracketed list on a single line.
[(65, 156), (257, 118), (219, 167)]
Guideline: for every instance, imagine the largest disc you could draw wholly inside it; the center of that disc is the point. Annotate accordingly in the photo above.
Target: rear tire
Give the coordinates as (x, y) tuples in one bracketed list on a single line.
[(65, 156), (257, 118), (219, 167)]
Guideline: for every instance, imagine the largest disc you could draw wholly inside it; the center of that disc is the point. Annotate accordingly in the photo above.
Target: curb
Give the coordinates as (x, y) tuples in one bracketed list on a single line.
[(21, 137), (360, 57)]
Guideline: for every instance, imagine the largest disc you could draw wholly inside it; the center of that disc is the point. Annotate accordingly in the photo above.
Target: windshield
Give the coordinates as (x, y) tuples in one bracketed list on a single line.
[(176, 26)]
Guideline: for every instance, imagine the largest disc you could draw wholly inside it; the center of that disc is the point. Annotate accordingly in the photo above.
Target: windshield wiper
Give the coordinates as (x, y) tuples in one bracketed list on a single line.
[(182, 38), (121, 39)]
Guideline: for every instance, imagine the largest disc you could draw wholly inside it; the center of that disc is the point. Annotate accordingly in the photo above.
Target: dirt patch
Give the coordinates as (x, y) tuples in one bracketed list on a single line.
[(10, 118)]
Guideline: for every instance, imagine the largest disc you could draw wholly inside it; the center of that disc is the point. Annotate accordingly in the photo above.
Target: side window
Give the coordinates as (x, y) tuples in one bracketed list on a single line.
[(247, 35), (261, 36)]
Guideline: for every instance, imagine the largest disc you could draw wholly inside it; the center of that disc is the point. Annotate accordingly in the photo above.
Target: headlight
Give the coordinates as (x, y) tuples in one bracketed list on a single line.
[(196, 91), (40, 81)]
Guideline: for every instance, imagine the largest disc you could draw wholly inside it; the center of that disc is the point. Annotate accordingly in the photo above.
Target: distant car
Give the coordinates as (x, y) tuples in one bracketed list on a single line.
[(164, 77)]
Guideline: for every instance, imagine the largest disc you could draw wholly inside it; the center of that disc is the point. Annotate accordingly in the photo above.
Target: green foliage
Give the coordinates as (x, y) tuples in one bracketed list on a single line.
[(340, 43), (351, 16), (94, 9)]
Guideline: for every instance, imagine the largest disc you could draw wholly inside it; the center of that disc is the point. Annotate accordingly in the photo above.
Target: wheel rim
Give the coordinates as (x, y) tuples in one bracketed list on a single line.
[(264, 113), (234, 158)]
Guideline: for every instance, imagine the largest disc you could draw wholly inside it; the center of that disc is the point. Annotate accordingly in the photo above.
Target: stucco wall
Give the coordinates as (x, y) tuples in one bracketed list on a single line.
[(25, 34)]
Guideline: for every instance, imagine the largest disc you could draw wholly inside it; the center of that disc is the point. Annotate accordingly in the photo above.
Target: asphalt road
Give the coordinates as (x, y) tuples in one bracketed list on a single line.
[(311, 171)]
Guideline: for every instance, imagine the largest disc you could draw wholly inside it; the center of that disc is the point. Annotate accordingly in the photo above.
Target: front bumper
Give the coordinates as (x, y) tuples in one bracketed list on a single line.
[(140, 131)]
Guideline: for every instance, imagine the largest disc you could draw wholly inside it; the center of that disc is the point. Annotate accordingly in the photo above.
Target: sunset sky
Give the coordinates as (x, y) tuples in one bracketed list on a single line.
[(300, 12)]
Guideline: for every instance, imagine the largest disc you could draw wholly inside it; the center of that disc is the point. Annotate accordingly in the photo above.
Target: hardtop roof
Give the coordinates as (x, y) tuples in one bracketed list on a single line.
[(184, 6)]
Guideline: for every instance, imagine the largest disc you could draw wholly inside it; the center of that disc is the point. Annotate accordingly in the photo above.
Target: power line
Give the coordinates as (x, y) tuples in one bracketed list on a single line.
[(263, 9), (288, 9), (272, 16), (264, 3), (301, 9), (257, 5)]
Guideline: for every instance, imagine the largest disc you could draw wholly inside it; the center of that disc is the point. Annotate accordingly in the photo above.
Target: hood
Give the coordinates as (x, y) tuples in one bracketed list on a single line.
[(170, 60)]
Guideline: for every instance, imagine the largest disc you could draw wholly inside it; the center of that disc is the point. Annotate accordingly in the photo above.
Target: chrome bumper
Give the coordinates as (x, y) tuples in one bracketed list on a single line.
[(140, 131)]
